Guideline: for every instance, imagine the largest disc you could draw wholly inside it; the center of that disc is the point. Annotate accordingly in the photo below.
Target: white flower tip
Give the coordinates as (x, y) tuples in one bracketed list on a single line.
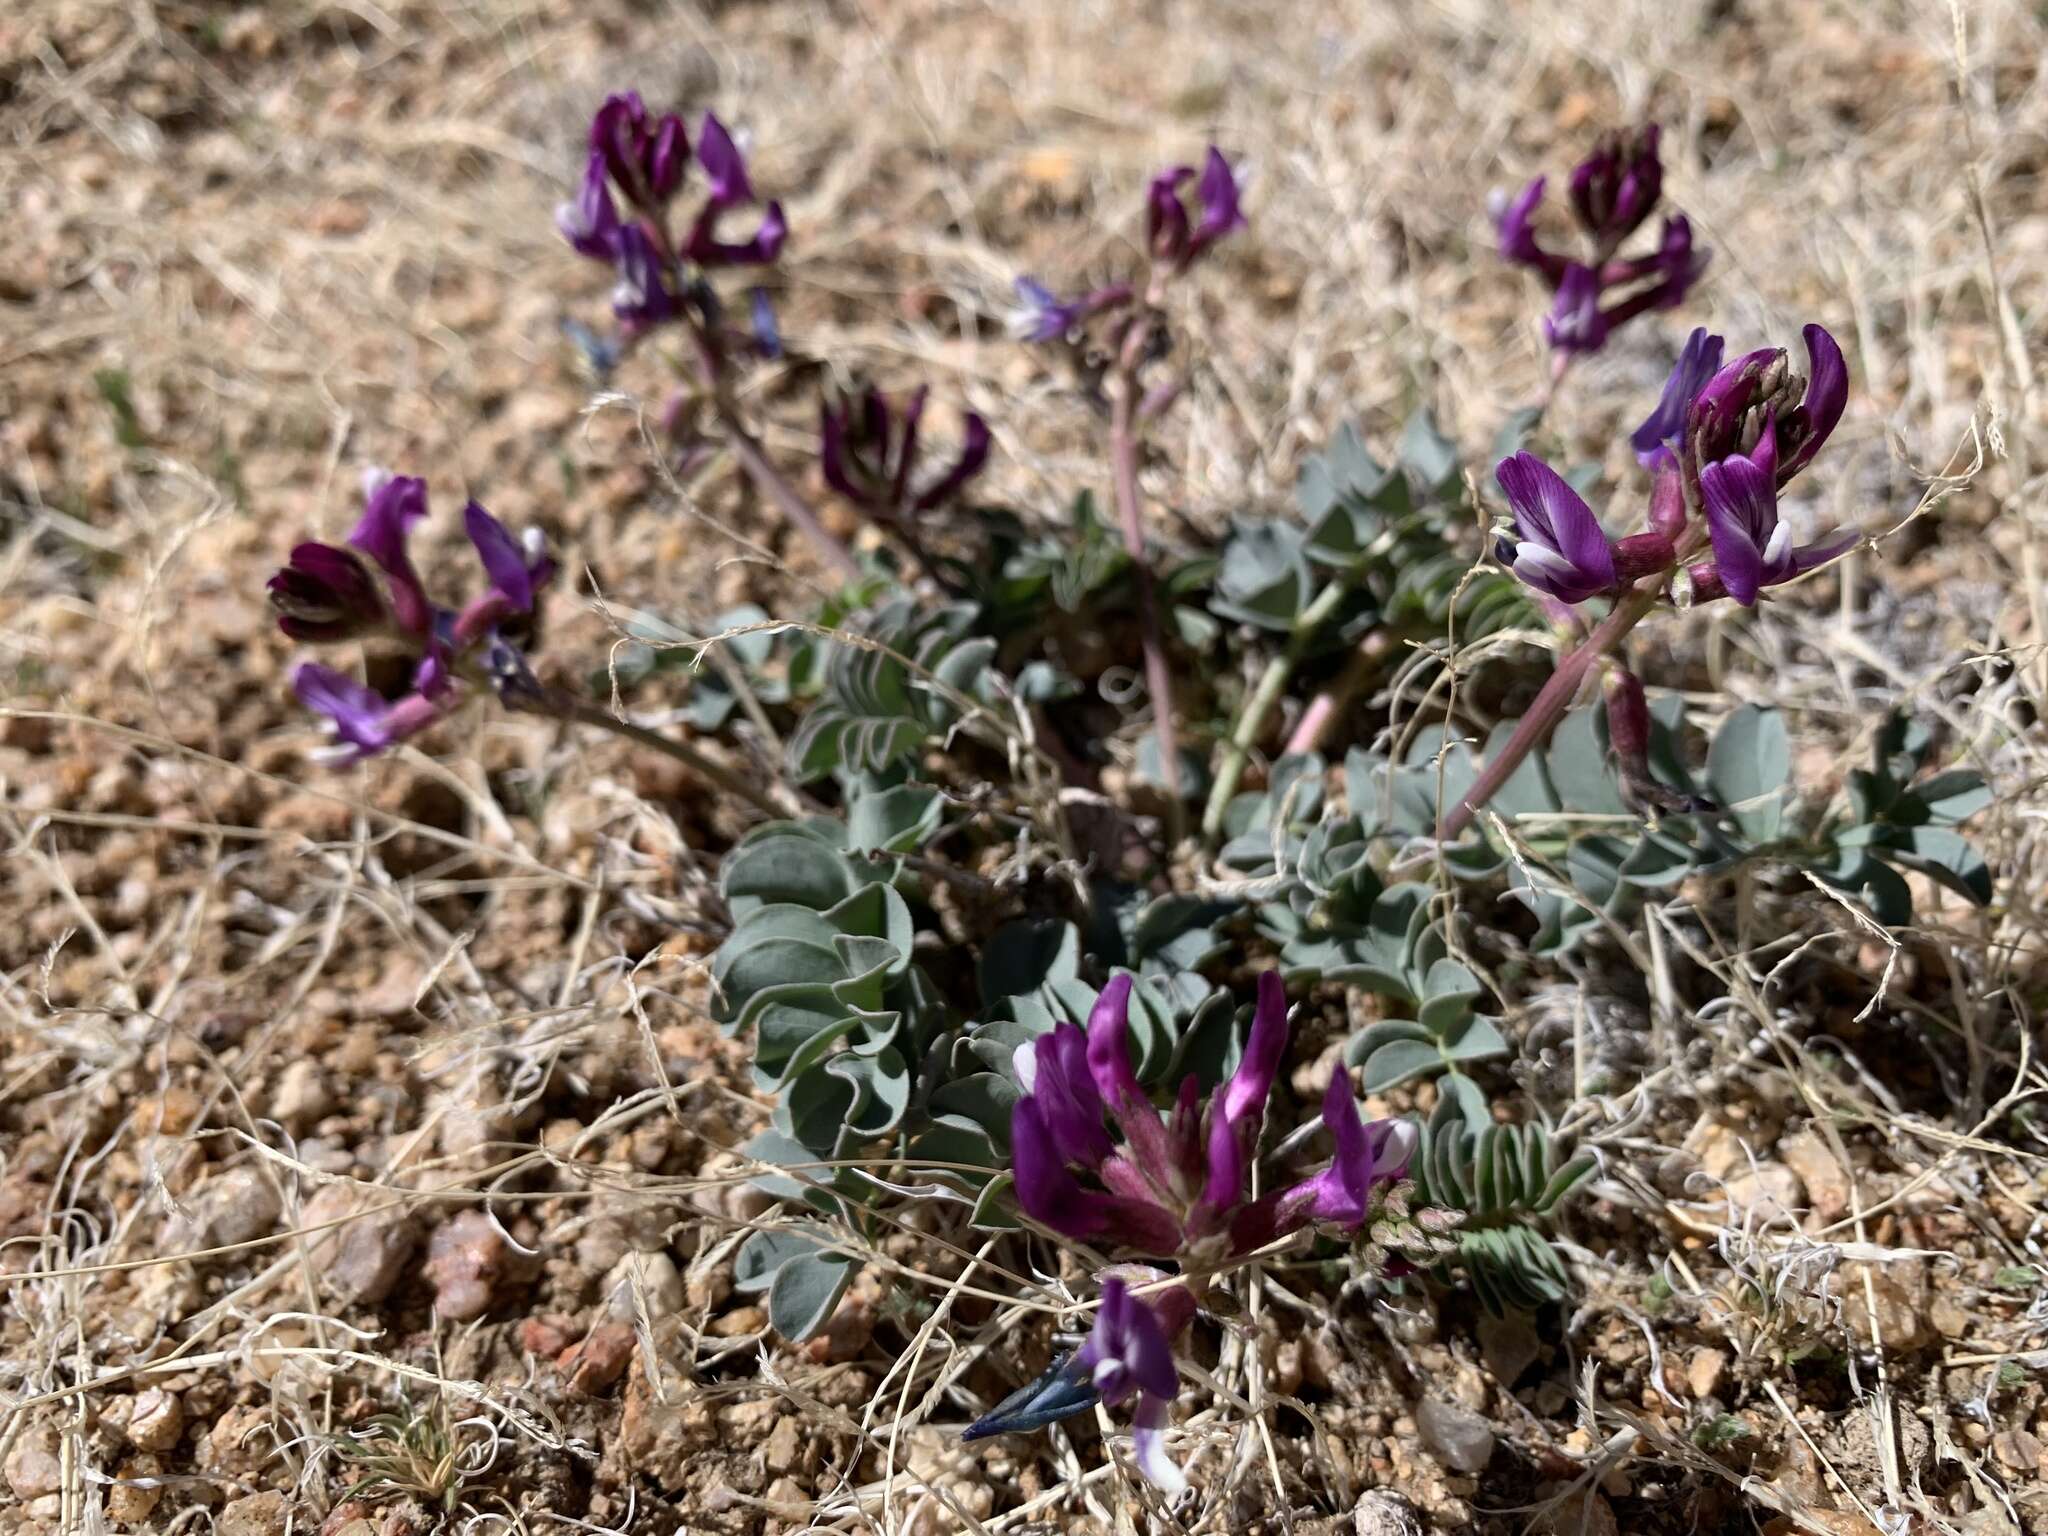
[(1401, 1143), (1025, 1059), (1780, 544), (1148, 1449), (1533, 561)]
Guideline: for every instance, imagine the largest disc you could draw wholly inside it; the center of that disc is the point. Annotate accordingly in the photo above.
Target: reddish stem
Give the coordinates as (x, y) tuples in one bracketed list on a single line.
[(1550, 704)]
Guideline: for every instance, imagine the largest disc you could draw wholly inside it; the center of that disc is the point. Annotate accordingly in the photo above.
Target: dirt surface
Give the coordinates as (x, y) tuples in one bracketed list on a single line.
[(364, 1137)]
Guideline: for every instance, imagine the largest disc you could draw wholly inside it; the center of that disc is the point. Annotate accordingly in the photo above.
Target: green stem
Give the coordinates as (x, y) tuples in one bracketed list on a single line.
[(1551, 703), (1260, 702)]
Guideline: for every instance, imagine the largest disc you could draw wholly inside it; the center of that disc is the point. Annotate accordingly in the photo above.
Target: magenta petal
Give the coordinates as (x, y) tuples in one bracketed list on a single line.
[(1217, 192), (1166, 217), (1046, 1191), (1244, 1096), (974, 448), (1066, 1096), (1109, 1059), (834, 454), (724, 167), (1516, 227), (1811, 557), (906, 448), (1575, 323), (590, 223), (1742, 511), (1698, 361), (1553, 516), (503, 557), (394, 507), (1827, 394), (1109, 1062)]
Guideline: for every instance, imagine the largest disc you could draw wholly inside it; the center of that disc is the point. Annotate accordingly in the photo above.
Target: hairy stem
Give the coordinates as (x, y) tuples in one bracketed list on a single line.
[(1259, 703), (564, 705), (1123, 449), (1550, 704)]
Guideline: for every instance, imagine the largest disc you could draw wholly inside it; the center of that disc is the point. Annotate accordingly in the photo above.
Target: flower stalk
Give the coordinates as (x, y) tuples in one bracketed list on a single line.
[(1123, 452), (1534, 728)]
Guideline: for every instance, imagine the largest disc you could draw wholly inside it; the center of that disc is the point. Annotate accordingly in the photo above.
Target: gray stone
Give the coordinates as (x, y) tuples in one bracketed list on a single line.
[(1460, 1440)]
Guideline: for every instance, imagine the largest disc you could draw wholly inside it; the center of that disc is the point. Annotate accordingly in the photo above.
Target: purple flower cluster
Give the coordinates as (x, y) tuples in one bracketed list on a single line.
[(1177, 235), (332, 592), (1722, 442), (641, 162), (1613, 191), (1175, 1185), (1170, 1186), (870, 458)]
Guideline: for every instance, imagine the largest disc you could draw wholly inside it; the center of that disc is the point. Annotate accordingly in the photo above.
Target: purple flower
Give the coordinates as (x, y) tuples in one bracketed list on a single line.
[(1614, 188), (325, 593), (1368, 1159), (1559, 547), (641, 296), (363, 721), (1807, 425), (1663, 430), (591, 223), (517, 571), (1575, 322), (1758, 392), (395, 503), (1170, 236), (1129, 1353), (1042, 315), (1516, 225), (1166, 217), (1053, 1070), (1613, 191), (870, 461), (1175, 1184), (726, 171), (1752, 547), (645, 158)]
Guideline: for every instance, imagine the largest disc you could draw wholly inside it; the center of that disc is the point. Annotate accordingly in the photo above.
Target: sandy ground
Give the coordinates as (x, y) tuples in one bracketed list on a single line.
[(269, 1030)]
